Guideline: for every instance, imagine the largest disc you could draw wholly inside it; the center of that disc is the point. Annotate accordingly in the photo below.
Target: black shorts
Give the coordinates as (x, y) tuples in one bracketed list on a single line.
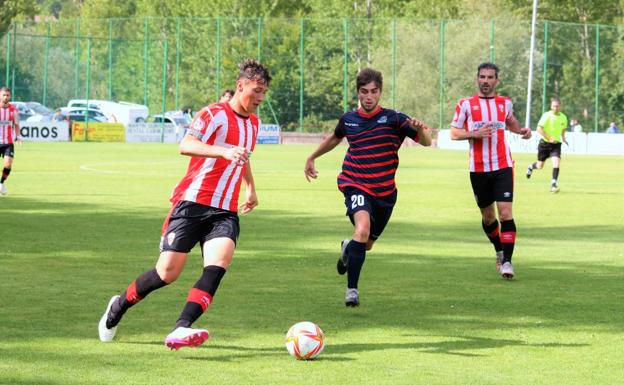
[(190, 222), (7, 150), (379, 208), (547, 150), (493, 186)]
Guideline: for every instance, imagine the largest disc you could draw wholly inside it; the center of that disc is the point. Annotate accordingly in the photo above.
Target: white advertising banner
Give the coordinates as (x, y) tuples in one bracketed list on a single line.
[(152, 132), (578, 143), (269, 134), (45, 131)]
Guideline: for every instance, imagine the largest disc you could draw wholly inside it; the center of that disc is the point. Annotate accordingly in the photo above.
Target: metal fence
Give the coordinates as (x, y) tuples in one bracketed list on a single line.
[(170, 63)]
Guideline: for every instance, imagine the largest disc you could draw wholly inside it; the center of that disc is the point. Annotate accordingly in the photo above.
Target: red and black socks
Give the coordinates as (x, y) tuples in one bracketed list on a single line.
[(5, 174), (508, 238), (200, 296), (139, 289), (493, 233)]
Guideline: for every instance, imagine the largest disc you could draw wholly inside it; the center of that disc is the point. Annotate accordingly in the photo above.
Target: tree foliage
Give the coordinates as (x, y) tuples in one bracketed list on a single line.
[(195, 45)]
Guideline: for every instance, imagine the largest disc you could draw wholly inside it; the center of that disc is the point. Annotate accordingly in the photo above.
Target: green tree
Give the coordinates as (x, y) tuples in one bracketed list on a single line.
[(15, 9)]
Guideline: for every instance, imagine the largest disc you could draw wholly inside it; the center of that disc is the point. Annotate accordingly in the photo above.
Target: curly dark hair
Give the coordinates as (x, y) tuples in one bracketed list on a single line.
[(252, 69)]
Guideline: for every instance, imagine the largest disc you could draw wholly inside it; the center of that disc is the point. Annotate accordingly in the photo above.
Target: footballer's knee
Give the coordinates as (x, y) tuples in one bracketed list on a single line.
[(361, 234), (505, 213), (168, 273), (369, 244)]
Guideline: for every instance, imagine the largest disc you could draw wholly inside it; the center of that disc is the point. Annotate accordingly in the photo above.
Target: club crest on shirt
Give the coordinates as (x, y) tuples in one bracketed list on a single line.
[(383, 119), (501, 107), (198, 124)]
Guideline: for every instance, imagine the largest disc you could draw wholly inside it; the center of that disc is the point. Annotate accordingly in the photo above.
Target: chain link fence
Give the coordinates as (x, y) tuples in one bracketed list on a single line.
[(170, 63)]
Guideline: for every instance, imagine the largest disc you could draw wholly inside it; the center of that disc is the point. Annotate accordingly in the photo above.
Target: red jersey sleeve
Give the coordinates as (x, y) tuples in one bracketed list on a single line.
[(203, 125)]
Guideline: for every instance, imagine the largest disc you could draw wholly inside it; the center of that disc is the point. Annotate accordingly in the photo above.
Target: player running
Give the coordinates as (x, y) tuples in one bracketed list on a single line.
[(551, 126), (9, 133), (204, 207), (481, 119), (374, 135)]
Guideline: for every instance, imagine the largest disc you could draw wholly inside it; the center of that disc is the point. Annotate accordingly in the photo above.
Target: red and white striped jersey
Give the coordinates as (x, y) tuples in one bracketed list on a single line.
[(471, 114), (216, 182), (9, 116)]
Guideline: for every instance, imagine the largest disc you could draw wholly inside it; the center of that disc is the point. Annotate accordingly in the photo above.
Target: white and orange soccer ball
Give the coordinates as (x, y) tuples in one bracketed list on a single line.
[(305, 340)]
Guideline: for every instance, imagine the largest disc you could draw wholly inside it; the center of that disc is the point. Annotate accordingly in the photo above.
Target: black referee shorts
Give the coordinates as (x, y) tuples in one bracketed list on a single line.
[(547, 150)]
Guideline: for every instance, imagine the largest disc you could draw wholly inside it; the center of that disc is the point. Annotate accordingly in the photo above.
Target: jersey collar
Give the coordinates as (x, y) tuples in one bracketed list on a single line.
[(369, 115), (485, 97)]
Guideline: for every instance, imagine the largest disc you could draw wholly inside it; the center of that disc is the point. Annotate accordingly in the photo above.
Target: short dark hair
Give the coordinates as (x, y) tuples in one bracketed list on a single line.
[(227, 91), (487, 66), (368, 75), (7, 89), (253, 70)]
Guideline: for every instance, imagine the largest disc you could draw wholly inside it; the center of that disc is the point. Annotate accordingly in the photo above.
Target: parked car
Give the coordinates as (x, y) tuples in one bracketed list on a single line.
[(24, 111), (41, 112), (80, 115), (116, 112), (181, 121)]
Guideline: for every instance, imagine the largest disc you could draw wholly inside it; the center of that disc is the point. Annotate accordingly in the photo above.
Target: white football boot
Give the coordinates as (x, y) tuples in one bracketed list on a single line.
[(352, 298), (507, 270), (106, 334), (182, 337)]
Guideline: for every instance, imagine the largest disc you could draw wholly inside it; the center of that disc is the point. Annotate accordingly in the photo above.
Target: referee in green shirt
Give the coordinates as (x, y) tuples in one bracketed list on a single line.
[(551, 127)]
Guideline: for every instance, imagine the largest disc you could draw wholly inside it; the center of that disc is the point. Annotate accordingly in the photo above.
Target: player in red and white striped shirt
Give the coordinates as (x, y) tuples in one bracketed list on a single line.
[(9, 133), (481, 119), (204, 206)]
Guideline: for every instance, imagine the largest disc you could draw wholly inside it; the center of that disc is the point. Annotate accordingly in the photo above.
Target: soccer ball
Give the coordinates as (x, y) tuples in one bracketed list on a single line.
[(305, 340)]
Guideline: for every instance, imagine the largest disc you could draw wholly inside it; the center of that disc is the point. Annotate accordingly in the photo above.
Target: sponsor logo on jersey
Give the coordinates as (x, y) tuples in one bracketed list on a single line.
[(351, 124)]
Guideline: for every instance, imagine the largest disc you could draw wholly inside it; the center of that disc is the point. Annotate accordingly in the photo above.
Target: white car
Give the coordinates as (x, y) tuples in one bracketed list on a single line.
[(116, 112), (181, 121)]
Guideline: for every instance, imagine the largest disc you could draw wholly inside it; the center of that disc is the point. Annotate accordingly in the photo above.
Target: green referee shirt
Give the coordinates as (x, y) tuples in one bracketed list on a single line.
[(553, 125)]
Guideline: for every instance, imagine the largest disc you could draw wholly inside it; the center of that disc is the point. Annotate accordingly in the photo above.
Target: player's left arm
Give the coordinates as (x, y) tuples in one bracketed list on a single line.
[(16, 128), (514, 126), (251, 199), (424, 132)]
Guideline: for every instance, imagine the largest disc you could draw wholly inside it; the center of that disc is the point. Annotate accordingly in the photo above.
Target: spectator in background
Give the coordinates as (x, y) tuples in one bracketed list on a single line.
[(187, 112), (575, 126), (226, 96), (613, 128), (59, 116)]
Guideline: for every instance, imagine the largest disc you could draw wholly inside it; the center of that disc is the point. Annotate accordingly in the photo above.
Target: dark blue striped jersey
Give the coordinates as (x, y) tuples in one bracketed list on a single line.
[(372, 157)]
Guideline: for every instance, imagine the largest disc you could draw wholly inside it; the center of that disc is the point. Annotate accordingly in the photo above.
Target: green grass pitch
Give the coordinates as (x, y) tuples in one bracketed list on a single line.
[(82, 220)]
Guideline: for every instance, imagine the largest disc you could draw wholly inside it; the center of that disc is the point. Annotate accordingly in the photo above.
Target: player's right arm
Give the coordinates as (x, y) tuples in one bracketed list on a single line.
[(328, 144), (192, 146), (204, 126), (461, 134), (540, 130), (459, 129)]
